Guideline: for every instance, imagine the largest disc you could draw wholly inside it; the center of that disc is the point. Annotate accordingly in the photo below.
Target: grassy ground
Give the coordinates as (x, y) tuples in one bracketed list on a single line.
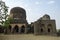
[(28, 37)]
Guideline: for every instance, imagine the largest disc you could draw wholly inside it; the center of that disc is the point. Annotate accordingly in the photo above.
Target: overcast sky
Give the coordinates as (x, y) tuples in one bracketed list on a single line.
[(37, 8)]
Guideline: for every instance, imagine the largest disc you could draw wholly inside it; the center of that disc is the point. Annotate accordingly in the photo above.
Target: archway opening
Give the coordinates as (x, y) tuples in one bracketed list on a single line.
[(41, 30), (48, 29), (22, 29), (16, 29)]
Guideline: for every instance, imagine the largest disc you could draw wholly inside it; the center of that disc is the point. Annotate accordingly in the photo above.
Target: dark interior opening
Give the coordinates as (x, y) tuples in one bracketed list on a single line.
[(16, 28), (48, 30), (41, 30), (22, 29)]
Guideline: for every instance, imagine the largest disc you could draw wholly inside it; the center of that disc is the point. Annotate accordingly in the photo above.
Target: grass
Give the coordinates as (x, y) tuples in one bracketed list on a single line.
[(28, 37)]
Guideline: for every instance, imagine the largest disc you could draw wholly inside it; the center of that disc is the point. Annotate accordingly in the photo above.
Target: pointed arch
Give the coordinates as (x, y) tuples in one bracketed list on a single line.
[(22, 29), (16, 28), (49, 28), (42, 28)]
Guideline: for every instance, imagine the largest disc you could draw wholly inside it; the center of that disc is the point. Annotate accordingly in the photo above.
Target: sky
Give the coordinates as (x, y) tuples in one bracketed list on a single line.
[(37, 8)]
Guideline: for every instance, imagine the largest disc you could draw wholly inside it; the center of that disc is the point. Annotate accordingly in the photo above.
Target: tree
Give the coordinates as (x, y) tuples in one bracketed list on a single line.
[(4, 15), (3, 12), (6, 25)]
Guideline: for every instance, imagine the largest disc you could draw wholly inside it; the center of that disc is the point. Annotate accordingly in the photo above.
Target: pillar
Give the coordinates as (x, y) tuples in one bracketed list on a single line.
[(26, 29), (19, 29), (36, 28)]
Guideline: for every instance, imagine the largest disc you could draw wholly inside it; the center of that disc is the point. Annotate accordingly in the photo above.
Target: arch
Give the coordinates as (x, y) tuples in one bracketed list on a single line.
[(22, 29), (49, 28), (16, 29), (42, 28)]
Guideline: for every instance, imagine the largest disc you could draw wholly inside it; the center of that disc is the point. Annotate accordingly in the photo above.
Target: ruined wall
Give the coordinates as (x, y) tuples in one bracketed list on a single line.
[(45, 27)]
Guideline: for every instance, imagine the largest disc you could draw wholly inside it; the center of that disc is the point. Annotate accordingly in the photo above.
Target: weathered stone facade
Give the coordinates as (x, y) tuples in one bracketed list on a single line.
[(43, 26), (19, 24)]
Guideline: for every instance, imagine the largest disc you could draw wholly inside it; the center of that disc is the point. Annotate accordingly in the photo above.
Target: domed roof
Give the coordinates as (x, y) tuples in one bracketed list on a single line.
[(17, 10), (46, 15)]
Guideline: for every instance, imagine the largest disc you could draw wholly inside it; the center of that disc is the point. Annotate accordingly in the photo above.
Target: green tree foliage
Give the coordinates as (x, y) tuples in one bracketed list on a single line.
[(10, 19), (6, 25), (7, 22), (3, 12)]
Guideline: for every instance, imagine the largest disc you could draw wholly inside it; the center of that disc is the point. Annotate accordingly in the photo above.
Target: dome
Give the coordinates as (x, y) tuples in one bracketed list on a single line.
[(17, 10), (46, 15), (18, 14)]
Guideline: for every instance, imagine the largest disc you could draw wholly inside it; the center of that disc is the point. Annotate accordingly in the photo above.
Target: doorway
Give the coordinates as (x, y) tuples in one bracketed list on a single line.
[(16, 29), (22, 29)]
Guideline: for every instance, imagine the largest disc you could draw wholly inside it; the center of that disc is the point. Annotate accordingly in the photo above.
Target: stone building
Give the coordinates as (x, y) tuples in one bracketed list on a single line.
[(45, 25), (19, 23)]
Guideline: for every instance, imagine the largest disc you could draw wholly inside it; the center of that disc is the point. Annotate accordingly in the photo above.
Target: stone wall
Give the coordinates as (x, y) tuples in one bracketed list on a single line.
[(45, 27)]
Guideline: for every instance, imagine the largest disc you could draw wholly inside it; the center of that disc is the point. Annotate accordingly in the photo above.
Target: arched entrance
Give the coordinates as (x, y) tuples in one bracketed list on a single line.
[(49, 28), (16, 29), (22, 29), (41, 29)]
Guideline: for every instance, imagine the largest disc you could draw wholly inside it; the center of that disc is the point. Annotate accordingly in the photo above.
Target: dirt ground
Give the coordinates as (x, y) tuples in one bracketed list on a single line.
[(27, 37)]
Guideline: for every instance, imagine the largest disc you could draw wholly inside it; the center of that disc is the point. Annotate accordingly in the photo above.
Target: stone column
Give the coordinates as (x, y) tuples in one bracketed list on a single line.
[(36, 28), (12, 29), (46, 29), (26, 29), (19, 29)]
